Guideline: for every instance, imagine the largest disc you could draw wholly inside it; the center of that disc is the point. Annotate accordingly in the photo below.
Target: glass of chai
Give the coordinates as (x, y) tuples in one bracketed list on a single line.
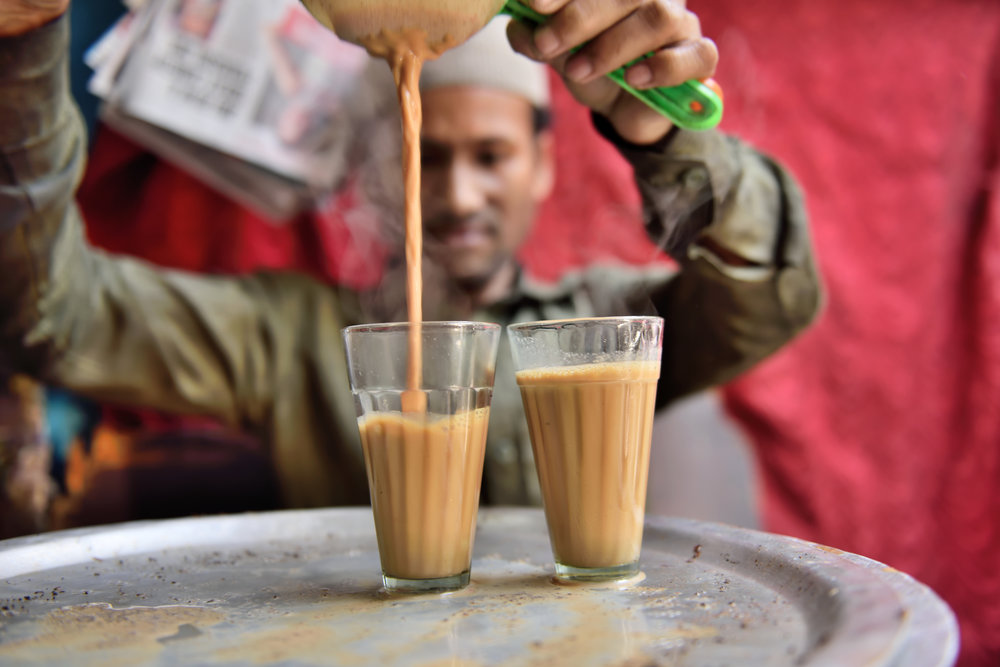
[(589, 387), (424, 437)]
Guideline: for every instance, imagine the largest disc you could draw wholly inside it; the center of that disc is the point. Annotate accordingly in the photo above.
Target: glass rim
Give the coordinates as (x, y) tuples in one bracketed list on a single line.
[(570, 321), (431, 326)]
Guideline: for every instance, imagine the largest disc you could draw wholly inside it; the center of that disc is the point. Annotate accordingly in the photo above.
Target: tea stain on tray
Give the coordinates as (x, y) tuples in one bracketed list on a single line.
[(133, 633)]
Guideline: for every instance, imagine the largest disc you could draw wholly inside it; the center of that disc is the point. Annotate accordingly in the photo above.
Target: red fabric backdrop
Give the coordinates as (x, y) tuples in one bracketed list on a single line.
[(877, 432)]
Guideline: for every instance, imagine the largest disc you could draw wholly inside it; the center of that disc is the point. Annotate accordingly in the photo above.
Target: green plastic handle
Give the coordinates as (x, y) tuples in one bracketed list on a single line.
[(692, 105)]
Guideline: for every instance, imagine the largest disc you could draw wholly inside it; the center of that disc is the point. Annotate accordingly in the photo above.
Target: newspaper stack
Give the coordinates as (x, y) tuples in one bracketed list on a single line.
[(244, 94)]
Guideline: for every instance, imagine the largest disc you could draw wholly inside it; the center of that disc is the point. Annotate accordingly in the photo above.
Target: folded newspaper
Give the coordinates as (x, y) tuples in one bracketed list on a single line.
[(241, 93)]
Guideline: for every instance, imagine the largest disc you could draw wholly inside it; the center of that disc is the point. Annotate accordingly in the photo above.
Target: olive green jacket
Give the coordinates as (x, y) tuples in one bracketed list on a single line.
[(265, 353)]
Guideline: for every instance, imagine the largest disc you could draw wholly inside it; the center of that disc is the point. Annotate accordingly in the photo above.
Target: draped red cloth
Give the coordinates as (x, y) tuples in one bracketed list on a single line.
[(878, 431)]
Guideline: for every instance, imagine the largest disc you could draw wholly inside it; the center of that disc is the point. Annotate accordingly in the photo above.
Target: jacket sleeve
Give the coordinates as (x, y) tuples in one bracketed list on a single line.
[(702, 190), (112, 328)]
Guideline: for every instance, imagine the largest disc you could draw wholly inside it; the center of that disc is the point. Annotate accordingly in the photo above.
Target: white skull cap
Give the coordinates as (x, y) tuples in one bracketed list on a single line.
[(487, 60)]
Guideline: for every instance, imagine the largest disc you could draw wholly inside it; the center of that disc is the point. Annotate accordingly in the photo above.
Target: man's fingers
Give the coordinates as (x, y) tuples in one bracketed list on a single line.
[(547, 6), (522, 39), (649, 27), (20, 16), (619, 31), (580, 21), (600, 95), (695, 59), (633, 120), (610, 34)]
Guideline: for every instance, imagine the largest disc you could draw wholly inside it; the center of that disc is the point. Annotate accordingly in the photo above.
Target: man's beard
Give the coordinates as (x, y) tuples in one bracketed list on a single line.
[(470, 266)]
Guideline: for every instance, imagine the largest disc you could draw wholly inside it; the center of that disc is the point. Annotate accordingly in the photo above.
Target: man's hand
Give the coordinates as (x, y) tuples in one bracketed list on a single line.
[(20, 16), (617, 32)]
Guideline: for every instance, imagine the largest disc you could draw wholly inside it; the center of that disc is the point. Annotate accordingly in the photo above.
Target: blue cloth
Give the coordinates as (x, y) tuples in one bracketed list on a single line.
[(88, 21), (68, 417)]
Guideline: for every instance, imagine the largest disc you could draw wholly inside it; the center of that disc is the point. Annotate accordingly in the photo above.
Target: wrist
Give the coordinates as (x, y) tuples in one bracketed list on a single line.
[(724, 253), (17, 21), (607, 130)]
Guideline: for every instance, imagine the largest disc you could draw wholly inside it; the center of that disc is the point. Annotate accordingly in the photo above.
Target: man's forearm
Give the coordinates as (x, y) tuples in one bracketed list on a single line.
[(719, 200), (115, 329), (41, 158), (707, 187), (18, 17), (736, 223)]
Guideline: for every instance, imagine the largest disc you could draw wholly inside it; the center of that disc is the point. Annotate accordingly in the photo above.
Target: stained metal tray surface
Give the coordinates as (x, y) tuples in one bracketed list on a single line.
[(303, 588)]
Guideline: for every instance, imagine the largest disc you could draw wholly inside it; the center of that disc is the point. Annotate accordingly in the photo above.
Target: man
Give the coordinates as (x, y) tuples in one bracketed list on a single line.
[(264, 352)]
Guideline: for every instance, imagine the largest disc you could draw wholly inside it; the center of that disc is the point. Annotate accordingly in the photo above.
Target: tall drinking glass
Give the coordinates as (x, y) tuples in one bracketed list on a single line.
[(589, 387), (424, 463)]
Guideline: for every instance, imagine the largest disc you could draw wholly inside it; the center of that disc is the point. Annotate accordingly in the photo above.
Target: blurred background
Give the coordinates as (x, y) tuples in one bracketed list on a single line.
[(877, 432)]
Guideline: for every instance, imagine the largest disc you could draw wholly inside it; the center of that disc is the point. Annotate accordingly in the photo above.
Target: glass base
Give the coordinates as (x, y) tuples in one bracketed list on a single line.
[(438, 585), (570, 573)]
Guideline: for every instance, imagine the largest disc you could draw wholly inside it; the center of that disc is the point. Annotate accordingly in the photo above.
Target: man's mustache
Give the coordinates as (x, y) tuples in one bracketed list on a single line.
[(440, 224)]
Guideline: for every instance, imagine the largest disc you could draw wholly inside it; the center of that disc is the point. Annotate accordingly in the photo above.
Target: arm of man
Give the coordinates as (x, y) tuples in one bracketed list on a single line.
[(112, 328), (736, 223), (748, 284)]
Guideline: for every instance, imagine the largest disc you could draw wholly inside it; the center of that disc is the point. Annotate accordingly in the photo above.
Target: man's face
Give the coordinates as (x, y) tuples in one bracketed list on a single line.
[(485, 170)]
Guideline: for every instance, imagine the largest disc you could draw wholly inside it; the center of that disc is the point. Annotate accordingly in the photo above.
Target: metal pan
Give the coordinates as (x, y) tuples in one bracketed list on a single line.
[(303, 588)]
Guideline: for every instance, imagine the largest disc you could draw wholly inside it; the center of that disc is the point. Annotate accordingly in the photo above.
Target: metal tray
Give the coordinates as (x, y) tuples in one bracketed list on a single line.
[(303, 588)]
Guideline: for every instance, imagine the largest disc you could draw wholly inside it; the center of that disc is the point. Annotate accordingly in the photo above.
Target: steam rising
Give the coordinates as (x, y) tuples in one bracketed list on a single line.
[(371, 120), (673, 216)]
